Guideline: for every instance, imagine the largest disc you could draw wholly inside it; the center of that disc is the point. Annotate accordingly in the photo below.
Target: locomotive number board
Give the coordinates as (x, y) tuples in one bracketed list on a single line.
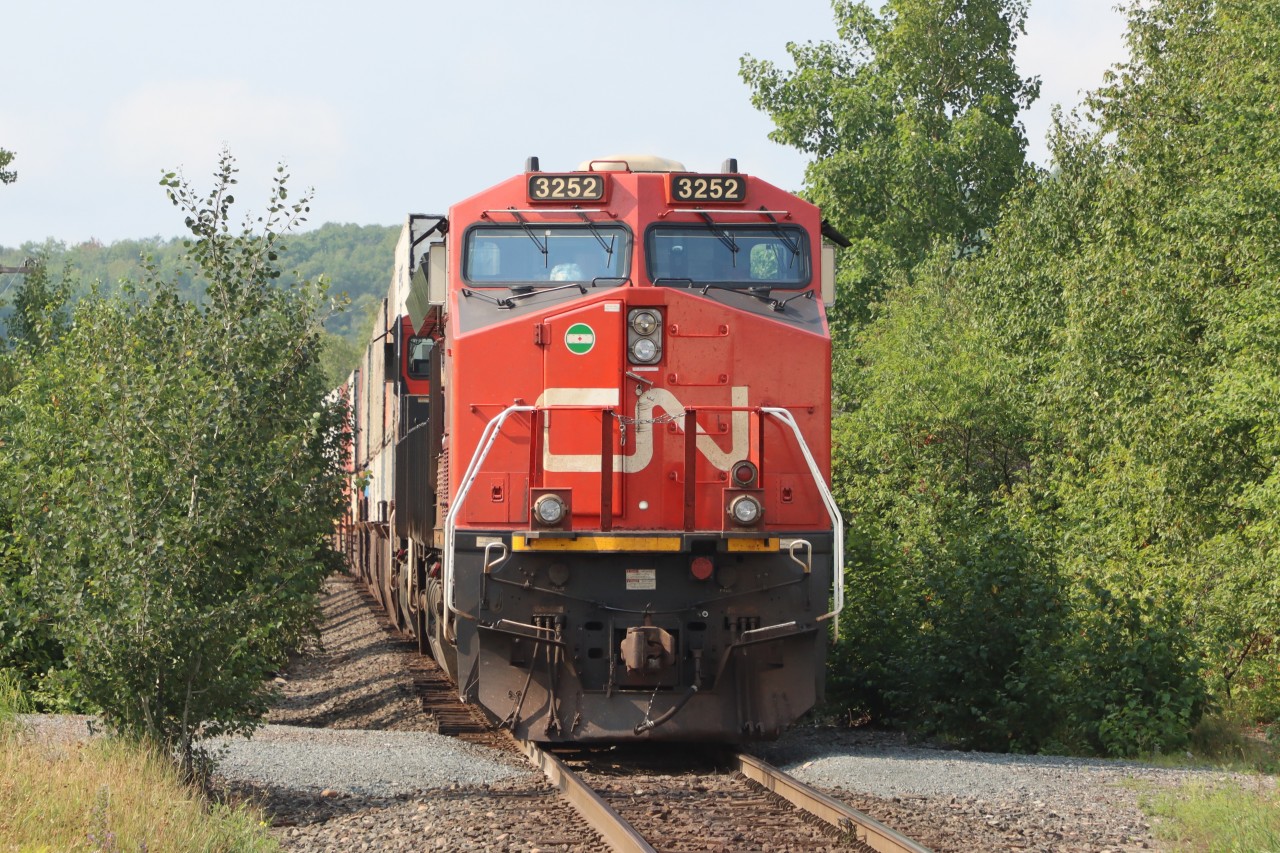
[(579, 187), (707, 188)]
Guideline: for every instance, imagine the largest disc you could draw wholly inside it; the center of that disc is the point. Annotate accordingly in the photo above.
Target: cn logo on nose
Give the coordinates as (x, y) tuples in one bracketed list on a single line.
[(655, 399)]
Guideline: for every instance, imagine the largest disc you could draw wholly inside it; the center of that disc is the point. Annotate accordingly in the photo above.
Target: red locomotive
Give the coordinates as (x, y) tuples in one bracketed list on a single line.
[(592, 450)]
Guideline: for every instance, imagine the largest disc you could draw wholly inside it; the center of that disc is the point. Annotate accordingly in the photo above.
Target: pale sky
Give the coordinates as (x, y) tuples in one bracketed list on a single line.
[(387, 107)]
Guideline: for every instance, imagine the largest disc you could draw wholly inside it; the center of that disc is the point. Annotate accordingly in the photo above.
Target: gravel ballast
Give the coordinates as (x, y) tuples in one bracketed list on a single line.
[(350, 760), (362, 762), (948, 800), (957, 801)]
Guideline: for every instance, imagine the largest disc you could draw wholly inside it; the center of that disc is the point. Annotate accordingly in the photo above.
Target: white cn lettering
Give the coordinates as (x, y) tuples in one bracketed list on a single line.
[(641, 432)]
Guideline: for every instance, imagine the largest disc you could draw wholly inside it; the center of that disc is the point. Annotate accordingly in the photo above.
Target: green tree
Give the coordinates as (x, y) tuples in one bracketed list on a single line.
[(911, 120), (1171, 345), (39, 315), (6, 176), (179, 470), (1059, 455), (1136, 287), (355, 260), (30, 654), (959, 611)]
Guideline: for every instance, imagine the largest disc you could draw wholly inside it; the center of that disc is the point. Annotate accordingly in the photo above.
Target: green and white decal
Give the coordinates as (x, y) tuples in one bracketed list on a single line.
[(580, 338)]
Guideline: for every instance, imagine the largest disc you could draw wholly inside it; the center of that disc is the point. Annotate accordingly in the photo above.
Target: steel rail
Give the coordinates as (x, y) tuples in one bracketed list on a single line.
[(864, 828), (598, 814)]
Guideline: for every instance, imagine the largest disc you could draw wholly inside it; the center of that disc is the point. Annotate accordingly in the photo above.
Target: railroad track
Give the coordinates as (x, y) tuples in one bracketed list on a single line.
[(666, 797), (848, 820), (658, 801)]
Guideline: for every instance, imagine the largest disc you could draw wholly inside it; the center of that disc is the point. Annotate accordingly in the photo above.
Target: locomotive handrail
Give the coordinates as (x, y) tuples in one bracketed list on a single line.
[(718, 212), (828, 500), (755, 633), (486, 214), (807, 562), (489, 566), (490, 435), (487, 439)]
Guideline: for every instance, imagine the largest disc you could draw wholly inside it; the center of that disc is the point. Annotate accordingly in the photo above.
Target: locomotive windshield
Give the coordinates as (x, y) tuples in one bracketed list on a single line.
[(538, 254), (735, 256)]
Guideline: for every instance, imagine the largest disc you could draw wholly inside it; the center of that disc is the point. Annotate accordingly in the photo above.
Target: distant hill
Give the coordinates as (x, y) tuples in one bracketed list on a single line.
[(356, 259)]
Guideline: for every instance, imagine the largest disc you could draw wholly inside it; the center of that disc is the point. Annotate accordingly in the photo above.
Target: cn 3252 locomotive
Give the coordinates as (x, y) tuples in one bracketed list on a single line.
[(592, 450)]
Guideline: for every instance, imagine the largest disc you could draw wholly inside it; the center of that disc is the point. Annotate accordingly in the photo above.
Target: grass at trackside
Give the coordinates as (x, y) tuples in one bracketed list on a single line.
[(110, 796), (1226, 819)]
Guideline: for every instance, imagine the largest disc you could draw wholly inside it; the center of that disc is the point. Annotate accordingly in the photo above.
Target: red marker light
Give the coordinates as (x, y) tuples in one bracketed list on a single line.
[(702, 568)]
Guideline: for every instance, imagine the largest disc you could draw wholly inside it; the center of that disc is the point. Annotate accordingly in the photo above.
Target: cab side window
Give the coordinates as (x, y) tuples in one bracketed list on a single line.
[(420, 357)]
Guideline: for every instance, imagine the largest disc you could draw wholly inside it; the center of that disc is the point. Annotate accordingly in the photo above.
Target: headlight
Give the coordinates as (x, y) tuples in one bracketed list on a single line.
[(644, 335), (549, 510), (644, 322), (745, 510), (745, 474), (644, 350)]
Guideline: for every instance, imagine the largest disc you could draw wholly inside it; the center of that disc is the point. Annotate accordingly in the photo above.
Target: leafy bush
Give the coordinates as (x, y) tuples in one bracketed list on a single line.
[(1133, 677), (956, 613), (179, 470), (1085, 413)]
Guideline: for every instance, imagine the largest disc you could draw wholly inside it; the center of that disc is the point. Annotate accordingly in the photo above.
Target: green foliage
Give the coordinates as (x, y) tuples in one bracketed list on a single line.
[(354, 260), (957, 612), (30, 654), (1165, 389), (338, 357), (1059, 456), (1133, 679), (6, 175), (911, 121), (39, 315), (178, 470)]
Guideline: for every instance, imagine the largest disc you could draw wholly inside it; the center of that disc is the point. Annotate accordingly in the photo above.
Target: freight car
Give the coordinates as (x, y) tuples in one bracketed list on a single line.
[(592, 448)]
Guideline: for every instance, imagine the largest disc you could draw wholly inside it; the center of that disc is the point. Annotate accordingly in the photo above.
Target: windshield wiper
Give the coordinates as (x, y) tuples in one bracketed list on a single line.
[(542, 247), (750, 291), (782, 235), (469, 293), (520, 291), (595, 232), (721, 235), (510, 301), (761, 293), (781, 305)]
